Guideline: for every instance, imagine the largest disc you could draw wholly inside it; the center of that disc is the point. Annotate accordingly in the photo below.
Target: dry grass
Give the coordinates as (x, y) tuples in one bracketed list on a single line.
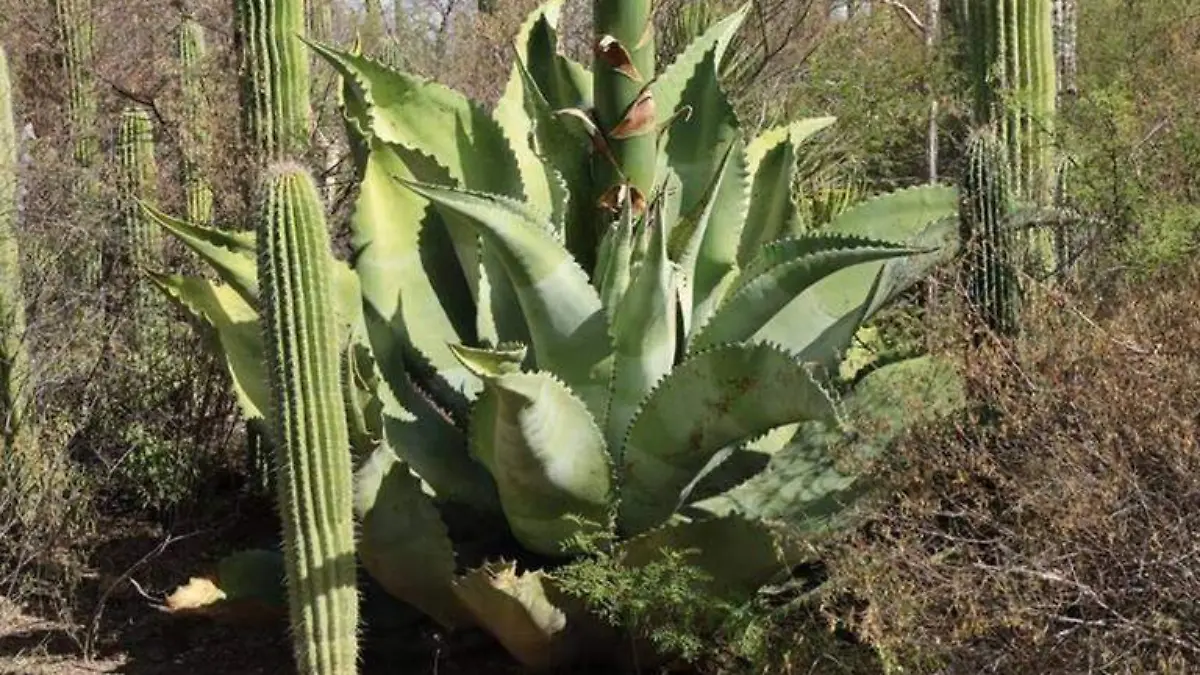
[(1054, 528)]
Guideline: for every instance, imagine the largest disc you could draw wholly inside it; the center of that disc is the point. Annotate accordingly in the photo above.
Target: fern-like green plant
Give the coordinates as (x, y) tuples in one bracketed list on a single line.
[(562, 319)]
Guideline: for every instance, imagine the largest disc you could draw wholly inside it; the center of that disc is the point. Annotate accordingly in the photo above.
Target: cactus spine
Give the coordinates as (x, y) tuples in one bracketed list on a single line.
[(308, 423), (275, 77), (623, 103), (14, 359), (192, 51), (137, 179), (986, 204)]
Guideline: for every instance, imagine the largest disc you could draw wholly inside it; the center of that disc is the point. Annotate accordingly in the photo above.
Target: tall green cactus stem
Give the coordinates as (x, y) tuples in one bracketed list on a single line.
[(624, 66), (138, 180), (988, 264), (276, 116), (1010, 55), (192, 51), (73, 19), (14, 358), (308, 423)]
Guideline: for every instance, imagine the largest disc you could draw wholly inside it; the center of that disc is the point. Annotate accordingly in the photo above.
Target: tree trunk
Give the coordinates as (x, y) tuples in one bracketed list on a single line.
[(1066, 15)]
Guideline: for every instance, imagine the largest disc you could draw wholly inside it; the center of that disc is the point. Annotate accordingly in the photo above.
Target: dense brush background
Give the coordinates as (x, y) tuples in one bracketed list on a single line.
[(1050, 529)]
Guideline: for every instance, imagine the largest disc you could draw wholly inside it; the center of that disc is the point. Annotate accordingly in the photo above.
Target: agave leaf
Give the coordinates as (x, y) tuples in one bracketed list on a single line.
[(415, 299), (237, 330), (613, 279), (733, 465), (643, 331), (232, 255), (707, 239), (735, 555), (820, 323), (434, 120), (714, 399), (504, 359), (763, 292), (697, 147), (668, 87), (542, 82), (563, 82), (514, 112), (523, 611), (771, 159), (565, 153), (360, 390), (566, 321), (402, 541), (548, 458), (427, 439), (246, 586), (356, 120), (940, 240), (903, 216), (809, 484)]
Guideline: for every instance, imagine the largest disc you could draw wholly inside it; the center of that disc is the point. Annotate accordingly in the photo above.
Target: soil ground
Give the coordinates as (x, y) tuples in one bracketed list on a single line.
[(111, 626)]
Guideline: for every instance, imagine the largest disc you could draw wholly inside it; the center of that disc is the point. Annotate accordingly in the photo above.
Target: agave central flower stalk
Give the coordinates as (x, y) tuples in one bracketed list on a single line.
[(623, 69)]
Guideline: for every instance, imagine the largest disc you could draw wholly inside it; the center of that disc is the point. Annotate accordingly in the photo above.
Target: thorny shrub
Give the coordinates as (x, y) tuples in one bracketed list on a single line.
[(1052, 528)]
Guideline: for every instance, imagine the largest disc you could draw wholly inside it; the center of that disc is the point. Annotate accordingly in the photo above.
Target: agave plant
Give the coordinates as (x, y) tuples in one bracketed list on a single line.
[(571, 351)]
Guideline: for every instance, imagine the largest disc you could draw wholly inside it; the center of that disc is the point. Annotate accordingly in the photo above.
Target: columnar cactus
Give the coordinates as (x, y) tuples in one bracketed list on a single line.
[(14, 358), (192, 51), (138, 180), (276, 116), (988, 265), (1011, 57), (141, 241), (73, 19), (307, 419)]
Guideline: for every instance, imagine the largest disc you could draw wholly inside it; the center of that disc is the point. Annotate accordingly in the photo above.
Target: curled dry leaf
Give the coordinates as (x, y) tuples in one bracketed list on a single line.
[(639, 119), (612, 52), (647, 35), (615, 196), (593, 131), (196, 594)]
